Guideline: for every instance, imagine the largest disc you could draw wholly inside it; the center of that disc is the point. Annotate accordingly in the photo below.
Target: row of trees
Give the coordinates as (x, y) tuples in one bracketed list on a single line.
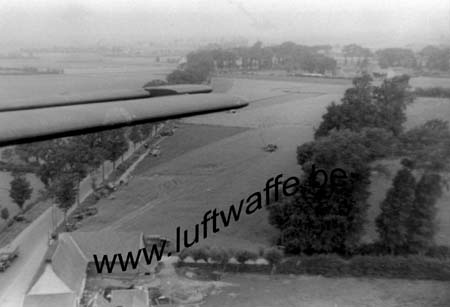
[(366, 126), (431, 58), (288, 56), (406, 222), (62, 163)]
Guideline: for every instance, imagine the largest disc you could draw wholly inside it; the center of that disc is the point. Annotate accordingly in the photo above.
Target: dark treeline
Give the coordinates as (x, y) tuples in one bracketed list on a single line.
[(430, 58), (292, 57)]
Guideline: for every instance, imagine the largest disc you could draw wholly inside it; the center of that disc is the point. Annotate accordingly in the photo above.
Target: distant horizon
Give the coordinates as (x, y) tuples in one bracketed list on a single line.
[(221, 42), (370, 23)]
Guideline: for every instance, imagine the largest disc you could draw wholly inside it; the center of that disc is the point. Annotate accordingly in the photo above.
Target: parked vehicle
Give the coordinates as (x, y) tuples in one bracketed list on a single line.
[(20, 218), (167, 132), (7, 258), (89, 211), (270, 148)]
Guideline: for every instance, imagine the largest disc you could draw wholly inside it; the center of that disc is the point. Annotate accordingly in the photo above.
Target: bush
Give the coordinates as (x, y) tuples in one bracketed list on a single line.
[(243, 255), (219, 255), (200, 253)]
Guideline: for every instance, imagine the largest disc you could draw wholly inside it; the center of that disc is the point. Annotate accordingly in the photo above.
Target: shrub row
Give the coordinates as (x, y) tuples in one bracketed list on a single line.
[(377, 249), (329, 265), (412, 267), (223, 256), (230, 267), (440, 92)]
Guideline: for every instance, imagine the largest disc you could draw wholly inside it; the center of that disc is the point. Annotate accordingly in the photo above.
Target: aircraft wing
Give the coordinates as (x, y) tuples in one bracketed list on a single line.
[(36, 122), (104, 96)]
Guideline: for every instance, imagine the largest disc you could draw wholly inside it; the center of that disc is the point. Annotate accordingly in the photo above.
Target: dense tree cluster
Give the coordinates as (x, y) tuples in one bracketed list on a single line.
[(428, 145), (366, 126), (393, 57), (197, 69), (436, 58), (366, 105), (287, 56)]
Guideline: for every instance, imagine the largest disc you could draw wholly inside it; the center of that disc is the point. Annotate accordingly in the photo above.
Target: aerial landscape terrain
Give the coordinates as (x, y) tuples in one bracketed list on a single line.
[(237, 154), (214, 161)]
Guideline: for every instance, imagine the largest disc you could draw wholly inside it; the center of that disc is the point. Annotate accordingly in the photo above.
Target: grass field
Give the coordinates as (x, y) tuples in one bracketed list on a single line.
[(318, 291), (191, 177), (216, 160), (212, 164)]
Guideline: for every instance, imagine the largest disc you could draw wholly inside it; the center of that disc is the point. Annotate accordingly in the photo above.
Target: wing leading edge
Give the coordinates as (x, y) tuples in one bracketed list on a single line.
[(104, 96), (36, 124)]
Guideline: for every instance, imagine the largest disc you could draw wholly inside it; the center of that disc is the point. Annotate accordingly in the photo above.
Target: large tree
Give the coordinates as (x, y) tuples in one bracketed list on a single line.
[(20, 190), (64, 192), (4, 214), (135, 135), (329, 218), (319, 219), (421, 221), (392, 222), (115, 144)]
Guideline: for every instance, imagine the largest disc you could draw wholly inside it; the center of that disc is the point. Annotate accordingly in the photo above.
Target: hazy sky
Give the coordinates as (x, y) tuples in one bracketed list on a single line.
[(27, 23)]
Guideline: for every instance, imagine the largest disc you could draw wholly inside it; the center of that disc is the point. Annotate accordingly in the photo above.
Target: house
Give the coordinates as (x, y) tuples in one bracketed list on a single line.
[(61, 282)]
